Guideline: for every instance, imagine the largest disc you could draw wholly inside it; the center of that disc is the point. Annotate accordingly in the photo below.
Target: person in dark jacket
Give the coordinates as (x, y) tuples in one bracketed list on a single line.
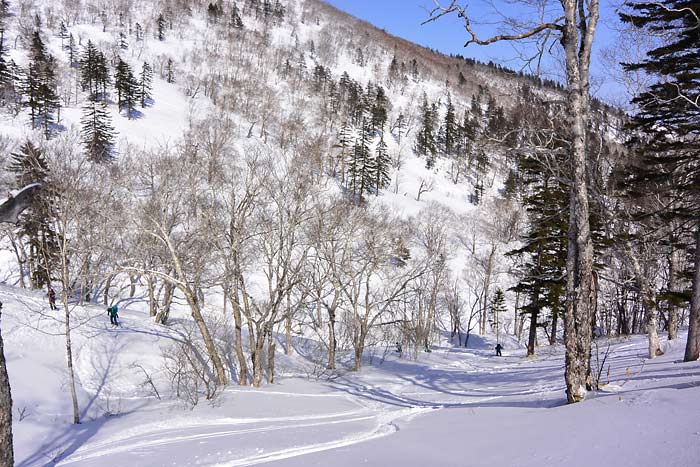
[(113, 317), (499, 347), (52, 299)]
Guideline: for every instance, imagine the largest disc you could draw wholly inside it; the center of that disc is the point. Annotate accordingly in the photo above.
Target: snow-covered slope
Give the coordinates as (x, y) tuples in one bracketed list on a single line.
[(453, 407)]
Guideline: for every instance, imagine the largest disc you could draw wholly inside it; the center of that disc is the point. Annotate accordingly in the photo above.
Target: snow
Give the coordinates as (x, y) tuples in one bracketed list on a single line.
[(453, 406)]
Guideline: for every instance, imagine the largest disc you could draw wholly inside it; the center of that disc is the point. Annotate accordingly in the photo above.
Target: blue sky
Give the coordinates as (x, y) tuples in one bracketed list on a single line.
[(403, 18)]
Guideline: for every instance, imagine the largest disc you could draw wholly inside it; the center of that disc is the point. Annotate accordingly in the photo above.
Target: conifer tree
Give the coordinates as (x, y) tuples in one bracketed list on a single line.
[(63, 34), (145, 84), (450, 129), (127, 87), (90, 70), (379, 109), (36, 223), (169, 72), (39, 86), (669, 120), (123, 42), (138, 30), (425, 139), (236, 21), (160, 27), (97, 131), (498, 310), (72, 51), (381, 166)]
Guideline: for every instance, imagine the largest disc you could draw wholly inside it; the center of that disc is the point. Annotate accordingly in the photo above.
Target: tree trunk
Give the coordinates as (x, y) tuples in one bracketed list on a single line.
[(258, 370), (577, 39), (673, 287), (270, 357), (132, 286), (649, 301), (69, 360), (238, 339), (152, 308), (692, 347), (108, 286), (532, 337), (288, 328), (206, 336), (6, 450), (360, 347), (331, 339), (555, 321), (164, 312)]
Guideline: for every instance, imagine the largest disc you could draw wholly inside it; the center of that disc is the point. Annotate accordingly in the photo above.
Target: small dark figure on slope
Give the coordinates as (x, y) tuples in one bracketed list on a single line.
[(113, 317), (52, 299), (499, 347)]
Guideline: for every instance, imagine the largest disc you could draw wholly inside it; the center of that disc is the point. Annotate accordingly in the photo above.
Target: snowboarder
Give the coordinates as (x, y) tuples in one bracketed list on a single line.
[(113, 317), (499, 347), (52, 299)]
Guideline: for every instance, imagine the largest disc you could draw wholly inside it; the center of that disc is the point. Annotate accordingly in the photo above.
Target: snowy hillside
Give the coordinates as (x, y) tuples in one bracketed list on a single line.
[(315, 235), (453, 407)]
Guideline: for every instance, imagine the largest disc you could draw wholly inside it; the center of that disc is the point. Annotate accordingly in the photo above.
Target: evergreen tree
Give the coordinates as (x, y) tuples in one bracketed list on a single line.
[(72, 51), (123, 42), (236, 21), (145, 84), (425, 139), (160, 27), (169, 73), (381, 165), (545, 242), (669, 120), (379, 109), (138, 29), (498, 310), (97, 131), (127, 87), (36, 223), (90, 70), (63, 34), (450, 129), (39, 86)]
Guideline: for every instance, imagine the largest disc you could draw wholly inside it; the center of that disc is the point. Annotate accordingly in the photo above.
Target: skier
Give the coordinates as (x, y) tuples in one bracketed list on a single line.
[(499, 347), (113, 317), (52, 299)]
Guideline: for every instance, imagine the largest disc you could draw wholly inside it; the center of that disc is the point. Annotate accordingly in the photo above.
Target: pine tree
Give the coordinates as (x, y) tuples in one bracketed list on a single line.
[(97, 131), (39, 86), (498, 310), (160, 27), (544, 251), (236, 21), (169, 73), (123, 42), (381, 166), (72, 53), (36, 223), (425, 139), (63, 34), (451, 129), (139, 32), (90, 70), (145, 83), (379, 109), (127, 87), (669, 120)]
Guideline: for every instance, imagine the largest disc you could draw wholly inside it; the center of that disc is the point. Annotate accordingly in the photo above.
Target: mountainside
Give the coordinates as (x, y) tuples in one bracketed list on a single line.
[(275, 194)]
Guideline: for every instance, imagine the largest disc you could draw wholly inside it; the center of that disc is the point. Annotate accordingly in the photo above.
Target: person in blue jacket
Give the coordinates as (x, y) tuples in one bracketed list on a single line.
[(113, 317)]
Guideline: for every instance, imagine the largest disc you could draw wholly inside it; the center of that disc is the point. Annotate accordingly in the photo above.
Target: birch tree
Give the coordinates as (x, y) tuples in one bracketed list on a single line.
[(573, 24)]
